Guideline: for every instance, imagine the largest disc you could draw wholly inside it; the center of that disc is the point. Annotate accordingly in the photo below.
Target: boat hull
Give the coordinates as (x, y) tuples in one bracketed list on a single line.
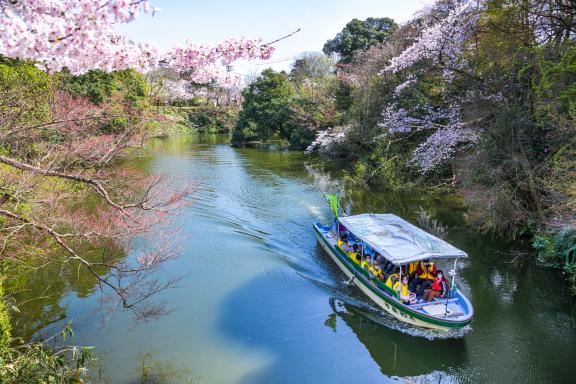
[(385, 301)]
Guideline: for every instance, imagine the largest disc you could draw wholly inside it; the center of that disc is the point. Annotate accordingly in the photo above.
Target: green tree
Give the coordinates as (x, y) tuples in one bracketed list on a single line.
[(266, 107), (313, 109), (99, 86), (311, 65), (24, 96), (359, 35)]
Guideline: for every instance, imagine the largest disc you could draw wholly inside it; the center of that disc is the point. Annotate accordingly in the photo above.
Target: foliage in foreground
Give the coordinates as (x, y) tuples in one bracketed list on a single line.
[(60, 188), (38, 362), (558, 250)]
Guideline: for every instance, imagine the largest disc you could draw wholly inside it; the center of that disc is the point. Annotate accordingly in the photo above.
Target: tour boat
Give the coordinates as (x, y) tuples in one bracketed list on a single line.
[(401, 243)]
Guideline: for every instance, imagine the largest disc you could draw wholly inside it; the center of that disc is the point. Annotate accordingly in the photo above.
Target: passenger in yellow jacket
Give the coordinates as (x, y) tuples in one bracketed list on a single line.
[(404, 293), (355, 257), (392, 279), (343, 244), (365, 265), (413, 271), (426, 274), (378, 270)]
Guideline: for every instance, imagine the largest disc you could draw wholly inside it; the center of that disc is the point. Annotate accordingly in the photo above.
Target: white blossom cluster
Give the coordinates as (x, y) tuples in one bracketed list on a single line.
[(451, 133), (397, 120), (449, 26), (442, 42), (178, 89), (441, 146), (327, 138)]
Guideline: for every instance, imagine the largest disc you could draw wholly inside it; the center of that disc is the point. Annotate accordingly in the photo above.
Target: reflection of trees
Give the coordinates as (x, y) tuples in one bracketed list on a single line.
[(38, 288), (327, 177), (178, 145), (398, 354)]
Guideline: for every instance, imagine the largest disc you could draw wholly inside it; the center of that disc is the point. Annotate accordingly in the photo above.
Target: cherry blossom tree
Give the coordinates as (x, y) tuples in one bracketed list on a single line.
[(440, 46), (56, 147), (450, 133), (39, 194), (326, 139), (443, 41)]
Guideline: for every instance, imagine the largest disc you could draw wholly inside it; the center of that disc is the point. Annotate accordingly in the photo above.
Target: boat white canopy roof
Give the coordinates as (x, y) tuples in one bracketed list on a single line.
[(397, 240)]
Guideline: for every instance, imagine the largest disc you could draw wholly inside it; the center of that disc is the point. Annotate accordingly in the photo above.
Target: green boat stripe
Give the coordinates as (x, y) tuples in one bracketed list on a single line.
[(360, 273)]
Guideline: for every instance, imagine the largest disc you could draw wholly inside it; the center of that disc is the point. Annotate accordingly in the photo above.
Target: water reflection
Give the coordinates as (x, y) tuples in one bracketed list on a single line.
[(399, 356), (38, 288), (288, 324)]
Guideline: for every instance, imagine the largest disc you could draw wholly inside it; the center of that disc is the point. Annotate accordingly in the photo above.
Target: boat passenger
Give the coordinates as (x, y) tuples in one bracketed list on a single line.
[(439, 288), (387, 267), (412, 270), (364, 261), (428, 270), (343, 244), (365, 265), (404, 293), (378, 270), (347, 247), (392, 278), (426, 273), (355, 254), (374, 270)]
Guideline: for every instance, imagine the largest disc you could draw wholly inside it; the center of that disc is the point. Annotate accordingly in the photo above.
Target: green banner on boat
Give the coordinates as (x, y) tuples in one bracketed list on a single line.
[(333, 201)]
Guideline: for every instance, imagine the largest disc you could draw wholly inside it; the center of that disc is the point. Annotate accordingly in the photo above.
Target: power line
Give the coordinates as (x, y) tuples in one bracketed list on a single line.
[(284, 37), (265, 63), (274, 62)]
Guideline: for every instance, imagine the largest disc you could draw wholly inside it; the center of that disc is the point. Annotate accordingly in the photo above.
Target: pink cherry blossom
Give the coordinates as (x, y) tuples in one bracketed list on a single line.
[(80, 36), (450, 133)]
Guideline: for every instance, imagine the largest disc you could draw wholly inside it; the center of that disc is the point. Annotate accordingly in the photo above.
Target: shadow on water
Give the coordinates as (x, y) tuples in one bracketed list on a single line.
[(316, 338), (289, 326)]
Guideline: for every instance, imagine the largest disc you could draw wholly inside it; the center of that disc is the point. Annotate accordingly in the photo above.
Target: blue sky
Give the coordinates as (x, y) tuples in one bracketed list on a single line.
[(212, 21)]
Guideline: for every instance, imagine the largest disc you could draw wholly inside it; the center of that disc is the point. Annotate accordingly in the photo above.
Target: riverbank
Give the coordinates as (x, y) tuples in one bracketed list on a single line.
[(185, 120)]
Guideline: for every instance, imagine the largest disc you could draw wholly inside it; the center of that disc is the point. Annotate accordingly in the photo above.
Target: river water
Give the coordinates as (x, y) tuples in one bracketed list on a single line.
[(260, 302)]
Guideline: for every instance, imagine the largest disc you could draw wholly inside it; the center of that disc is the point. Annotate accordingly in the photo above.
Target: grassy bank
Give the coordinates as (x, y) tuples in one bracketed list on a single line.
[(193, 119)]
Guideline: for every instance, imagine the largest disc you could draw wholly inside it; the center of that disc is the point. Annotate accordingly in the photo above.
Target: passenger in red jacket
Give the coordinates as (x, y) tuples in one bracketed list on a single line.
[(439, 288)]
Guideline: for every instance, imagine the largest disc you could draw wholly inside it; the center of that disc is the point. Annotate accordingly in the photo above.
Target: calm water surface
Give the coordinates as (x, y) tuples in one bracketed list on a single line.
[(261, 303)]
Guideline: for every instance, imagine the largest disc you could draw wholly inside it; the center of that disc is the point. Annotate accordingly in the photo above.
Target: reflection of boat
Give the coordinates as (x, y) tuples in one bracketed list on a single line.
[(397, 354), (400, 243)]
